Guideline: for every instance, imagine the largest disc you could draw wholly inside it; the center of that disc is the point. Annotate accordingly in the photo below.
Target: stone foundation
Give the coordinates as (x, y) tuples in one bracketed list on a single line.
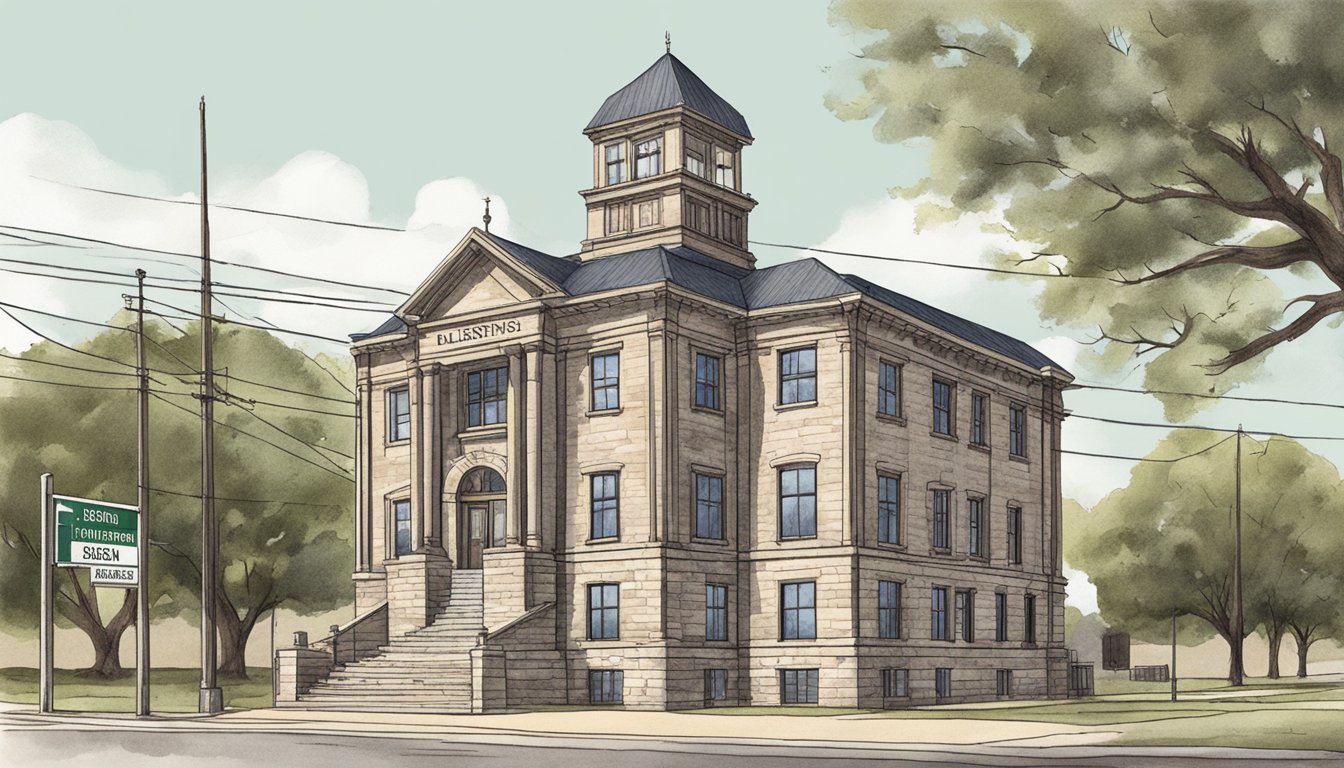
[(417, 587)]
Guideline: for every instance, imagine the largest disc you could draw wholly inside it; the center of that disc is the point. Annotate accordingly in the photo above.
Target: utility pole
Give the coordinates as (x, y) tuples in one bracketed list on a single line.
[(1238, 613), (142, 484), (211, 697), (1173, 654)]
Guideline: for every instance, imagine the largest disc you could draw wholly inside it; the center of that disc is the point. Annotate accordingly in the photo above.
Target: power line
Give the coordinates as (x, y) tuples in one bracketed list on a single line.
[(195, 204), (35, 332), (243, 501), (310, 446), (67, 384), (81, 369), (1146, 459), (191, 315), (970, 267), (1243, 398), (1155, 425)]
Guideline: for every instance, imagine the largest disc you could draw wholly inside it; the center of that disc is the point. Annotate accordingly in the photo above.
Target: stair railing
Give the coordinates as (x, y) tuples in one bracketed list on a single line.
[(361, 638)]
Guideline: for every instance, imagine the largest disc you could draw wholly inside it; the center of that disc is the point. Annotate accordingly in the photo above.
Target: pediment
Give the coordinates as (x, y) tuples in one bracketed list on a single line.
[(474, 277)]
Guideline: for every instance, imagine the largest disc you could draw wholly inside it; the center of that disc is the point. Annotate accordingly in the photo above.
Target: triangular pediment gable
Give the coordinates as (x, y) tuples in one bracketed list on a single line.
[(476, 275)]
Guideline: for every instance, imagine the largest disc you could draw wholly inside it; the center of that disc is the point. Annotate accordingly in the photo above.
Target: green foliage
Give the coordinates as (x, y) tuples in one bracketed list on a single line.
[(290, 547), (1125, 140)]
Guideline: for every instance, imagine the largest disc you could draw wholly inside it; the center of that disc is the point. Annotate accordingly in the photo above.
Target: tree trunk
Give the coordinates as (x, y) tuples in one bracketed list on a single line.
[(233, 636), (1302, 649), (1275, 641), (82, 610)]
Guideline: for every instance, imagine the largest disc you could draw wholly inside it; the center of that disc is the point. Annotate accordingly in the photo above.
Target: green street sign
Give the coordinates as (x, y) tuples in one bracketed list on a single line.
[(96, 533)]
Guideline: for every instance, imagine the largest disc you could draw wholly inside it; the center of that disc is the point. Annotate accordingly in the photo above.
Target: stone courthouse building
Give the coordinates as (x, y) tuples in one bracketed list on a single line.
[(654, 474)]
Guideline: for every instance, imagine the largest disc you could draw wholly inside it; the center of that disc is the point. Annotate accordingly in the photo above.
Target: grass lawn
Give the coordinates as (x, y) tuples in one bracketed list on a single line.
[(170, 690)]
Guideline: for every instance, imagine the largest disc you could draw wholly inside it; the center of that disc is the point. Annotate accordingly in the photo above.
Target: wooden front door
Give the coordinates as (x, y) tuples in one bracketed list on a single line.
[(475, 535)]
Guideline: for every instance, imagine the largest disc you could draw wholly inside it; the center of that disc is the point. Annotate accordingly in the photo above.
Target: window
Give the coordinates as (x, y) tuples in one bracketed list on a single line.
[(799, 686), (1029, 620), (697, 154), (1003, 682), (942, 682), (966, 614), (730, 227), (1017, 430), (979, 419), (707, 381), (398, 414), (614, 219), (798, 615), (941, 502), (798, 502), (716, 685), (487, 392), (975, 522), (938, 614), (798, 376), (648, 213), (716, 612), (402, 519), (604, 506), (604, 611), (697, 215), (606, 369), (606, 686), (1000, 617), (649, 157), (708, 506), (888, 389), (888, 509), (895, 683), (615, 163), (1015, 535), (889, 609), (942, 407), (724, 174)]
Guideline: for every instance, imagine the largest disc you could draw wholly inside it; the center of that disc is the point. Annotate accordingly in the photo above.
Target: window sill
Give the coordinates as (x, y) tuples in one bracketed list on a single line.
[(710, 542), (799, 640), (483, 432), (604, 540), (788, 539), (985, 449), (781, 407), (397, 443), (604, 412), (707, 409), (891, 418), (891, 546), (1018, 459), (943, 435), (941, 551)]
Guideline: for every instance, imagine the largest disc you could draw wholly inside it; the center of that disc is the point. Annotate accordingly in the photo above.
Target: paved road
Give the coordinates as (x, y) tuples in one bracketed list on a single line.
[(41, 745)]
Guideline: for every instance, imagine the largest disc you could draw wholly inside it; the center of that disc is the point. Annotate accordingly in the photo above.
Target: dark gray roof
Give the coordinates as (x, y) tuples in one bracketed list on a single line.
[(666, 84), (793, 282), (388, 327)]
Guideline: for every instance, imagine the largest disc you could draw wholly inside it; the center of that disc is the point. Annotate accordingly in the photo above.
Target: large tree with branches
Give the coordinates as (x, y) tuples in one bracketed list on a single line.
[(1164, 162)]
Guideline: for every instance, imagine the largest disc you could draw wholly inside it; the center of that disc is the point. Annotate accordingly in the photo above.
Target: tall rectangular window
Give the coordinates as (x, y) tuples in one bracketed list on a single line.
[(716, 612), (487, 392), (941, 503), (649, 157), (401, 514), (1000, 617), (724, 173), (716, 685), (975, 523), (938, 614), (798, 502), (888, 509), (604, 611), (697, 215), (1015, 535), (798, 686), (942, 407), (888, 389), (895, 683), (606, 369), (798, 611), (398, 414), (604, 505), (1029, 619), (498, 526), (615, 218), (730, 227), (889, 610), (942, 682), (1003, 682), (798, 376), (697, 155), (606, 686), (615, 163), (708, 506), (979, 419), (707, 381), (966, 615), (1017, 430)]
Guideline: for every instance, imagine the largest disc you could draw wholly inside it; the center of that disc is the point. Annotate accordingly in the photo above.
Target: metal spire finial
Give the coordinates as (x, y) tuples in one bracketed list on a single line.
[(667, 40), (486, 217)]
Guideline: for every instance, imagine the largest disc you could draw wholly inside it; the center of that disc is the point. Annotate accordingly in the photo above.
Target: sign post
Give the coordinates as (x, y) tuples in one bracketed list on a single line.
[(48, 625)]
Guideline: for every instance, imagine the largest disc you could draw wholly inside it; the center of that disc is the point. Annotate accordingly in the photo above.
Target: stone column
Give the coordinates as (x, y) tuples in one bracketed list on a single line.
[(361, 481), (532, 427), (416, 394), (517, 443), (432, 456)]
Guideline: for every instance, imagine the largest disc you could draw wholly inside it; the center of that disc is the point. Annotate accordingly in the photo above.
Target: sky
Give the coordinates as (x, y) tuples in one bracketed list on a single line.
[(406, 114)]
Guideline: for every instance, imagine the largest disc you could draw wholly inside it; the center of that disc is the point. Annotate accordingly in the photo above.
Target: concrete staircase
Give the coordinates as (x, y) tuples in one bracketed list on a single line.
[(426, 670)]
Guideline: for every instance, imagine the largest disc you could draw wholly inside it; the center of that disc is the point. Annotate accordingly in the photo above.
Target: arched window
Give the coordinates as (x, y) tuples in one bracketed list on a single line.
[(482, 480)]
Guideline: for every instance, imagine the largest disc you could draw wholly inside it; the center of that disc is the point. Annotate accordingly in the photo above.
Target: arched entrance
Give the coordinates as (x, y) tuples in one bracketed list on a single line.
[(481, 518)]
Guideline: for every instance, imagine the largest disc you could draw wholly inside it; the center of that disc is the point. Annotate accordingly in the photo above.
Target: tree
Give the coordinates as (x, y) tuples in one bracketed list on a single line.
[(1170, 156), (282, 478), (1164, 543)]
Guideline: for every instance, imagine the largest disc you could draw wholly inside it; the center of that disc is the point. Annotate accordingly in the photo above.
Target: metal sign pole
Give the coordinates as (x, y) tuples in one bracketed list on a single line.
[(47, 626)]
